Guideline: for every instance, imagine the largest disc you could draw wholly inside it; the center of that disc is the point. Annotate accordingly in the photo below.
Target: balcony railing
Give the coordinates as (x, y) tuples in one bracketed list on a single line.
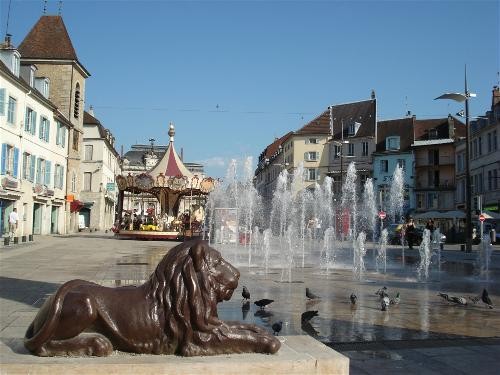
[(443, 160)]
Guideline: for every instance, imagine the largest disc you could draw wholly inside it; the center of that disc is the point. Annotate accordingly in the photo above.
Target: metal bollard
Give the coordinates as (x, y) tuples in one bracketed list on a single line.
[(493, 236), (6, 241)]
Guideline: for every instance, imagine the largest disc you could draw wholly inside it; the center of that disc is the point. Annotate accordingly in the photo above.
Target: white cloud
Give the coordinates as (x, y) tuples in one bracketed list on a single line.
[(216, 161)]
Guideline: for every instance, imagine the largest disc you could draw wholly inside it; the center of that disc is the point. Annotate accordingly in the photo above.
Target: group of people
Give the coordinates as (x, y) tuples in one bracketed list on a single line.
[(409, 230)]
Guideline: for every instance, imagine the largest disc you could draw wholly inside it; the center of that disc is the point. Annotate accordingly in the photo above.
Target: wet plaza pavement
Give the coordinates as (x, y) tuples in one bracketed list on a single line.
[(422, 334)]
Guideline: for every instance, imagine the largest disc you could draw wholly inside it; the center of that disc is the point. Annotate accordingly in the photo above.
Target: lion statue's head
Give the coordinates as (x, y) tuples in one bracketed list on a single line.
[(188, 283)]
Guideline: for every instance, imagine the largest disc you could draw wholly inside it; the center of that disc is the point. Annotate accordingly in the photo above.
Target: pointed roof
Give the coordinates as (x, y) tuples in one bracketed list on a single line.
[(48, 39), (170, 164)]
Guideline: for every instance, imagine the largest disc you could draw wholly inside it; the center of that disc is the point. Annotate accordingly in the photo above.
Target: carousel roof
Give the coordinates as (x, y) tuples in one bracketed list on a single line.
[(170, 164)]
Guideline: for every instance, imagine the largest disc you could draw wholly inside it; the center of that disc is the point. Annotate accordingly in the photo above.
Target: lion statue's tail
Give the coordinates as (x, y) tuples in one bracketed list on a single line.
[(34, 340)]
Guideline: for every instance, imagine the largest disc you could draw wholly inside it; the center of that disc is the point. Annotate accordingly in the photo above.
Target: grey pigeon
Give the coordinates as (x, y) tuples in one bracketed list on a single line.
[(353, 298), (396, 299), (263, 302), (277, 327), (311, 295), (458, 300), (308, 315), (382, 292), (245, 293), (486, 299)]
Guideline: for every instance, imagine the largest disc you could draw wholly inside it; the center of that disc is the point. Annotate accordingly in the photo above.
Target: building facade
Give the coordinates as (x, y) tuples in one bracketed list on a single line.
[(49, 47), (395, 138), (34, 151), (100, 166)]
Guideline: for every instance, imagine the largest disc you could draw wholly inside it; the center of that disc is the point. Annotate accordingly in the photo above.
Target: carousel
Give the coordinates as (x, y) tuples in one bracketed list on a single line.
[(172, 200)]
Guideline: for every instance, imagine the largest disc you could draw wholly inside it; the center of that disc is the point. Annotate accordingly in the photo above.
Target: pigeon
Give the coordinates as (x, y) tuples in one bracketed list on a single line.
[(353, 298), (245, 293), (384, 303), (395, 300), (277, 327), (475, 299), (311, 295), (308, 315), (245, 308), (454, 299), (263, 302), (486, 299), (382, 292)]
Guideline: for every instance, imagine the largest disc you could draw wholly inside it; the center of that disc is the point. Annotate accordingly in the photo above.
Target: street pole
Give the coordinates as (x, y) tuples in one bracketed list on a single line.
[(468, 199)]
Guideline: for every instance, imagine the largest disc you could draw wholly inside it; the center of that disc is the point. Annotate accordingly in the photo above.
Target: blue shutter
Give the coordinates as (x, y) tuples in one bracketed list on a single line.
[(33, 123), (38, 177), (63, 142), (2, 102), (47, 131), (27, 120), (47, 173), (58, 133), (42, 126), (62, 177), (3, 166), (16, 162), (32, 168)]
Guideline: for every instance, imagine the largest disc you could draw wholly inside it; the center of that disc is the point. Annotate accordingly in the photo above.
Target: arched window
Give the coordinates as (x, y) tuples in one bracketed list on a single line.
[(76, 111)]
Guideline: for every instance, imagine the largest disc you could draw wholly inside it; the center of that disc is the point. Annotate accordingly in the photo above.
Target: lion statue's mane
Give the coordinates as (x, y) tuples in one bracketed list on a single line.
[(173, 312)]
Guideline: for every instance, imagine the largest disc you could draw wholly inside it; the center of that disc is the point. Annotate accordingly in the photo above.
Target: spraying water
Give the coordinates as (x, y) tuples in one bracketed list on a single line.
[(425, 255), (328, 252), (359, 253), (396, 197), (485, 250), (381, 261)]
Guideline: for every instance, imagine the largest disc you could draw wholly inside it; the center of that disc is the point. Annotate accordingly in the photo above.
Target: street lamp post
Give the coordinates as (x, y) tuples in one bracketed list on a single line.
[(464, 97)]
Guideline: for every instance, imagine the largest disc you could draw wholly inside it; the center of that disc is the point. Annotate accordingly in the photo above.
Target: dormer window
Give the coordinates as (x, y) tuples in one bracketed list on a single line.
[(353, 128), (16, 62), (32, 75), (433, 134), (392, 143), (313, 141), (43, 85)]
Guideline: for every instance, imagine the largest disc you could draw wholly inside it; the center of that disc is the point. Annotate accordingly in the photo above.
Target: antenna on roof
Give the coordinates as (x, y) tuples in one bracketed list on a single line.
[(8, 16), (45, 7), (408, 112), (60, 8)]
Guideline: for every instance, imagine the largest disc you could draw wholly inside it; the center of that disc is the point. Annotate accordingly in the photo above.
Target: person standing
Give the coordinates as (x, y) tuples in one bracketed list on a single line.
[(13, 222), (410, 232)]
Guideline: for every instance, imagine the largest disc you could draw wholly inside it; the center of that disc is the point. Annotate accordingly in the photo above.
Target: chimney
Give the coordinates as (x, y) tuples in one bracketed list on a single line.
[(495, 96), (451, 127), (7, 40), (91, 111), (373, 94)]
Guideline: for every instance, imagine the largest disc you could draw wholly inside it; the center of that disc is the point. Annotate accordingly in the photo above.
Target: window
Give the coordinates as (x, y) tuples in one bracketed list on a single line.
[(384, 166), (73, 182), (480, 145), (61, 135), (490, 180), (11, 110), (44, 130), (489, 142), (15, 64), (474, 148), (88, 152), (76, 108), (336, 152), (420, 200), (350, 149), (75, 140), (495, 179), (392, 143), (30, 121), (352, 129), (460, 162), (402, 163), (59, 176), (365, 149), (313, 141), (311, 156), (87, 181), (433, 134), (433, 156), (10, 158), (432, 200), (494, 140), (29, 163), (312, 174), (40, 171)]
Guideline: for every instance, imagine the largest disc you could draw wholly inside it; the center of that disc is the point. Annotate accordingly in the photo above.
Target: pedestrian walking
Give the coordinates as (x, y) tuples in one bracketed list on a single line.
[(13, 222)]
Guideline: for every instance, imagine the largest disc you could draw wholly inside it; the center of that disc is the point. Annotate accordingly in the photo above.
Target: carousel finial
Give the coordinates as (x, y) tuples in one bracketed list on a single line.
[(171, 131)]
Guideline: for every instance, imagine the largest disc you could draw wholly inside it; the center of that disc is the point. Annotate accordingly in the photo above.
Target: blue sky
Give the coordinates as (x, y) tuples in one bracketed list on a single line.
[(233, 75)]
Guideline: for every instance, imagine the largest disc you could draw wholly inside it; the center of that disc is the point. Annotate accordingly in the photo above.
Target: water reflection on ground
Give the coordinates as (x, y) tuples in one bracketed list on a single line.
[(421, 313)]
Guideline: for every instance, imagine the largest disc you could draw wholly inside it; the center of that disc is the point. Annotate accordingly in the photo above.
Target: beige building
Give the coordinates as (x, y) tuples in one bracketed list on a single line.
[(100, 166), (49, 47)]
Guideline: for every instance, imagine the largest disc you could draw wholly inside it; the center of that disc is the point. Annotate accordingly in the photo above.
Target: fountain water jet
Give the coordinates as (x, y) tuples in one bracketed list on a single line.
[(425, 255)]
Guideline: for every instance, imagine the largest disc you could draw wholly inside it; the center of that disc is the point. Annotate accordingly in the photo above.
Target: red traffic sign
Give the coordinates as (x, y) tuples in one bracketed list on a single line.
[(382, 215), (482, 218)]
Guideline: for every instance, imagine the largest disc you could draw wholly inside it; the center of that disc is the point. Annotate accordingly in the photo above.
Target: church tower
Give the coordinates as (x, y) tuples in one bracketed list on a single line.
[(49, 47)]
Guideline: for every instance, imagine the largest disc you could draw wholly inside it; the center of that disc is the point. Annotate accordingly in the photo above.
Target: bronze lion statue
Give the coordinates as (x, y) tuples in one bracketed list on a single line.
[(174, 312)]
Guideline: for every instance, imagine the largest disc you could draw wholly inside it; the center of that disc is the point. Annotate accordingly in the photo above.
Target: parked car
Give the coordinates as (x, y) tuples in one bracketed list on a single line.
[(394, 235)]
